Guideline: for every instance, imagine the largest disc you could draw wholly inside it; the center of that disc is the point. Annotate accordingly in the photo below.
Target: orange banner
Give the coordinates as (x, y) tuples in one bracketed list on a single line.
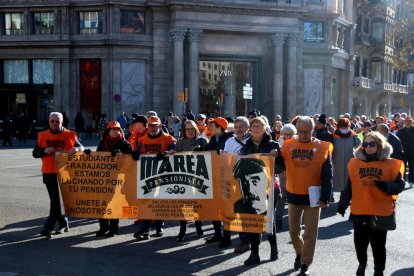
[(247, 185), (184, 186)]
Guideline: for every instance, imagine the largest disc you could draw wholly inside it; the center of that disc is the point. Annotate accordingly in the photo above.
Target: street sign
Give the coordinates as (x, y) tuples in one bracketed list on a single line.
[(247, 92), (117, 98)]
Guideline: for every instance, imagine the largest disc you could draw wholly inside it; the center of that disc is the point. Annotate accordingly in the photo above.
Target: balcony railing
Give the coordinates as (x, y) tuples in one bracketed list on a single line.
[(403, 89), (365, 83)]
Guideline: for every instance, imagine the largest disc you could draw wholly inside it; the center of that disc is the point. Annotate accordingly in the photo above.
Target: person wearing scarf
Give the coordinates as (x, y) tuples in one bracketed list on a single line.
[(112, 141)]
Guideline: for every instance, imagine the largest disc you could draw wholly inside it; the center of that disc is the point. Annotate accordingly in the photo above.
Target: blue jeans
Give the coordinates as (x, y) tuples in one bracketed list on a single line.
[(55, 213)]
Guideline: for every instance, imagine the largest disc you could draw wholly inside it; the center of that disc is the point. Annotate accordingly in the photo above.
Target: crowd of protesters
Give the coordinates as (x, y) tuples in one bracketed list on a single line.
[(337, 148)]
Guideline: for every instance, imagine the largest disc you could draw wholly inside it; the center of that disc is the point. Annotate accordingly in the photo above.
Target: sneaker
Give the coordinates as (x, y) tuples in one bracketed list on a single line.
[(142, 235), (159, 233), (225, 242), (304, 270), (46, 233), (253, 259), (241, 248), (297, 263), (213, 239), (101, 232), (112, 233), (361, 270), (62, 230)]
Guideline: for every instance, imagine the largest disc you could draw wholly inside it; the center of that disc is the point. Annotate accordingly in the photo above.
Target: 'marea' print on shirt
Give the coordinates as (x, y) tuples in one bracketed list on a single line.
[(302, 154), (177, 176)]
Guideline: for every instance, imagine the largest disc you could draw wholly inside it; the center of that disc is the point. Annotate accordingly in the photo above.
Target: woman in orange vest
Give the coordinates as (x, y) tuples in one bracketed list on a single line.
[(374, 181)]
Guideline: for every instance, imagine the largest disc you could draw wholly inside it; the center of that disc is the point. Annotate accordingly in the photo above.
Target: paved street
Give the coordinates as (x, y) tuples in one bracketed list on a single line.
[(24, 206)]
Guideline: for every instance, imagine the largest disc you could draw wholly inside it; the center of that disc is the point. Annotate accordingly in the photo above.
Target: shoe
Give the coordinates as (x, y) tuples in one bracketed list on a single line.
[(297, 263), (159, 233), (253, 259), (361, 270), (214, 239), (112, 233), (378, 273), (46, 233), (101, 232), (62, 230), (142, 235), (181, 236), (274, 255), (304, 270), (241, 248), (332, 199)]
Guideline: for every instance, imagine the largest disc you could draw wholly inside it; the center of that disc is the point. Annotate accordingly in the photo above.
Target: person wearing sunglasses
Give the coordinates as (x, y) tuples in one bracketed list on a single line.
[(191, 141), (374, 181), (56, 138)]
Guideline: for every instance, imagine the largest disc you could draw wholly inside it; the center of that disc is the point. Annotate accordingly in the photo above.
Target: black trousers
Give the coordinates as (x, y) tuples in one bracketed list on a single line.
[(255, 240), (109, 224), (364, 235), (183, 226)]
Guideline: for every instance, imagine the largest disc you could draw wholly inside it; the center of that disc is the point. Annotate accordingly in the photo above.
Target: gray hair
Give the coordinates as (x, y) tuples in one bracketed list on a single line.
[(383, 128), (306, 120), (288, 127), (265, 119), (58, 114), (242, 119)]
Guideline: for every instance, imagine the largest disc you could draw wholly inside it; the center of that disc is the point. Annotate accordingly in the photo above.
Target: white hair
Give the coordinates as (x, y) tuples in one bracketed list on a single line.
[(58, 114)]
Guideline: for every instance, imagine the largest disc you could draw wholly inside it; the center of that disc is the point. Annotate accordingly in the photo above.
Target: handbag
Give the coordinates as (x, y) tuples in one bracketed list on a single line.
[(383, 222)]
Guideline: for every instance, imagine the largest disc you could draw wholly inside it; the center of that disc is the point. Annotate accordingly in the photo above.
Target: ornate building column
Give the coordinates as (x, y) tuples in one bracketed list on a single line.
[(291, 76), (177, 36), (278, 39), (194, 95)]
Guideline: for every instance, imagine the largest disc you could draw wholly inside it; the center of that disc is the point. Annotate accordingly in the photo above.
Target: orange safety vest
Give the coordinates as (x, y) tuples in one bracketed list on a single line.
[(201, 128), (156, 145), (367, 199), (304, 163), (64, 140)]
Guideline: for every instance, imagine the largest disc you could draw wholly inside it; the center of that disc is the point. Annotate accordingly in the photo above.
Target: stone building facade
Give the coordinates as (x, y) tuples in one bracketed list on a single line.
[(108, 56)]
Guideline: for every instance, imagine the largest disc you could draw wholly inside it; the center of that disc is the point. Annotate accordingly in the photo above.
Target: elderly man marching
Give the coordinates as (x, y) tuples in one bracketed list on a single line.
[(54, 139), (307, 162)]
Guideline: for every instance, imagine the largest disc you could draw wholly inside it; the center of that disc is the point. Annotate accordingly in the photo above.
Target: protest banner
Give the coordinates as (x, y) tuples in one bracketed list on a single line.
[(247, 185), (181, 186)]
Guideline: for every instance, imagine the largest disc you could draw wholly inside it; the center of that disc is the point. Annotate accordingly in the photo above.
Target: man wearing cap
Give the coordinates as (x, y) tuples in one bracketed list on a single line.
[(155, 142), (406, 135), (321, 131), (56, 138), (139, 130), (217, 143)]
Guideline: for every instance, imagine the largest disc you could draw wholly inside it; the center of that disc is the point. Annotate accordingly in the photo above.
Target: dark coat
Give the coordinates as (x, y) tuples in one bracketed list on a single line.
[(218, 144), (406, 136), (324, 135), (122, 145), (265, 146), (397, 148)]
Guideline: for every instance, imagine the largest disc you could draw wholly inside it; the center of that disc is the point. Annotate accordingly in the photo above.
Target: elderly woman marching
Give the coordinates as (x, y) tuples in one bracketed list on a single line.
[(374, 181)]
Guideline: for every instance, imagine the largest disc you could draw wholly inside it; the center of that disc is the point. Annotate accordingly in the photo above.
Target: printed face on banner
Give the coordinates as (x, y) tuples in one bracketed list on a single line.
[(253, 185), (178, 176)]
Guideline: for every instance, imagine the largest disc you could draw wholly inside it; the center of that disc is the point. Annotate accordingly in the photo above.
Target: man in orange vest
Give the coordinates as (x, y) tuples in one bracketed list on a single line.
[(307, 162), (56, 138)]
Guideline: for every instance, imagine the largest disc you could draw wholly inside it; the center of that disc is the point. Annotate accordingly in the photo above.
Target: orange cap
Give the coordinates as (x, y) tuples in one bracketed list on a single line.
[(221, 122), (113, 124), (154, 120)]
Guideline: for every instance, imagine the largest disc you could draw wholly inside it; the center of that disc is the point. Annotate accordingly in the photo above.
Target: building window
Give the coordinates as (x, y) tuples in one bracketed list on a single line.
[(215, 66), (132, 22), (314, 32), (16, 71), (366, 25), (42, 71), (378, 31), (90, 22), (376, 71), (13, 23), (43, 22)]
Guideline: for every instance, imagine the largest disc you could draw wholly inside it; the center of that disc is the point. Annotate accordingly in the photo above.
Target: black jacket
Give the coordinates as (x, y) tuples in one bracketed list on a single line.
[(218, 144), (324, 135), (265, 146), (398, 151), (122, 145), (406, 136)]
